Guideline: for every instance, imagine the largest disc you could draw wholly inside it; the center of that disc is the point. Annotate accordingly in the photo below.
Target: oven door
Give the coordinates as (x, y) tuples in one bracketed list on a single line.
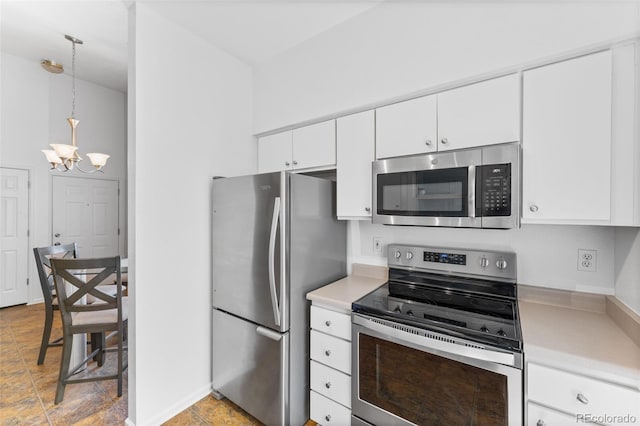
[(404, 375), (427, 190)]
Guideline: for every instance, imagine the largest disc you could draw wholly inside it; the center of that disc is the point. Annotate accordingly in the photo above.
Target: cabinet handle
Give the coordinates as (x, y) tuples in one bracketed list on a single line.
[(541, 423), (287, 163), (295, 163), (327, 385), (533, 208), (427, 142), (580, 397), (327, 352), (328, 417), (327, 323), (367, 209), (444, 141)]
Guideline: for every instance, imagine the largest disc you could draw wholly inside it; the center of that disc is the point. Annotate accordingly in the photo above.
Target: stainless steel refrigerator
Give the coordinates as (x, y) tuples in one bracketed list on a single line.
[(275, 238)]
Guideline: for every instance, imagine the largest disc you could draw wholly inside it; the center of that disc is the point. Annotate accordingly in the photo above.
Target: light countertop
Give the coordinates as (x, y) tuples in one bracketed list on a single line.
[(340, 294), (586, 342)]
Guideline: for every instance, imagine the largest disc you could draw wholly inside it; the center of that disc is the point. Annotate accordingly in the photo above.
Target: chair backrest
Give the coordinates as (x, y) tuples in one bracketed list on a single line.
[(43, 263), (85, 277)]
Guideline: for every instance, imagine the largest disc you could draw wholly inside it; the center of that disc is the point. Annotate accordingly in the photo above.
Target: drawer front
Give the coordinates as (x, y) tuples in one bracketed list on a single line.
[(580, 395), (331, 322), (327, 412), (331, 383), (543, 416), (331, 351)]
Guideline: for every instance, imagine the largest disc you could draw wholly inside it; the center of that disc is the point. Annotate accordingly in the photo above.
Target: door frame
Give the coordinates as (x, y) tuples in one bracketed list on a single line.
[(30, 212)]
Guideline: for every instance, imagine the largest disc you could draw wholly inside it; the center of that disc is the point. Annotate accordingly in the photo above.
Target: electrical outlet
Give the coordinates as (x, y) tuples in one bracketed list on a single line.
[(377, 245), (587, 260)]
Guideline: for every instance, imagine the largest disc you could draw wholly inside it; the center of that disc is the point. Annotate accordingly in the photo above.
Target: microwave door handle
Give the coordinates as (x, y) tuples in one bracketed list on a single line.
[(272, 250), (471, 191)]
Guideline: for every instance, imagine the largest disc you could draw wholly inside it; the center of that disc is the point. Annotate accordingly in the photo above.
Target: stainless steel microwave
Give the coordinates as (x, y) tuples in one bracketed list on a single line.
[(470, 188)]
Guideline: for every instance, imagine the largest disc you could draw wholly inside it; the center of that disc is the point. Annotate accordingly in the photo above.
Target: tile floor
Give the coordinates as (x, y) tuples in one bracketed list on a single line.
[(27, 390)]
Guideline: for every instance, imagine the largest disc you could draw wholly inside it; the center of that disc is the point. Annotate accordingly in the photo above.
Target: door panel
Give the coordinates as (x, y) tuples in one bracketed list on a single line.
[(243, 209), (85, 211), (248, 368), (14, 214)]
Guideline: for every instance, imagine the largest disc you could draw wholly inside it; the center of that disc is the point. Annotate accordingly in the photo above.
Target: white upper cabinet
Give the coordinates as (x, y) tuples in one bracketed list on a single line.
[(274, 152), (406, 128), (314, 145), (479, 114), (566, 142), (302, 148), (353, 168)]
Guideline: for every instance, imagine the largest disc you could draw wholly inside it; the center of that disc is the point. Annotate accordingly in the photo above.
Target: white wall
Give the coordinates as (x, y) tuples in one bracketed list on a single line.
[(399, 48), (35, 105), (190, 116), (627, 267)]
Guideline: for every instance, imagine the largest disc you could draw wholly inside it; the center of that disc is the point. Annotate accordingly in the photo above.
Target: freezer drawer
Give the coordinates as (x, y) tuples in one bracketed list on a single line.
[(250, 367)]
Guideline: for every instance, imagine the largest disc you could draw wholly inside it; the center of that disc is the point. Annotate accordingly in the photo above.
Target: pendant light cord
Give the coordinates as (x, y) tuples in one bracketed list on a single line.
[(73, 80)]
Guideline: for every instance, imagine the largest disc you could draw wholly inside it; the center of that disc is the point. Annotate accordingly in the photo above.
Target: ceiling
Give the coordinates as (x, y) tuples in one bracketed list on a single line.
[(252, 30)]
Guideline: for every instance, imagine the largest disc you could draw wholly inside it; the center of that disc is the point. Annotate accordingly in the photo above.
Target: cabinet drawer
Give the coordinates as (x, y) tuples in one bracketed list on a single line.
[(327, 412), (543, 416), (331, 351), (331, 383), (578, 394), (331, 322)]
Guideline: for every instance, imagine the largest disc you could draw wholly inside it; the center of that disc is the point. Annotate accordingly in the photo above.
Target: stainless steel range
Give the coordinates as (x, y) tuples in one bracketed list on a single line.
[(440, 343)]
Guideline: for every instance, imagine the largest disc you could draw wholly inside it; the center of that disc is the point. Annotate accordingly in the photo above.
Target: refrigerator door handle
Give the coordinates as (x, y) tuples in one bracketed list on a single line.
[(272, 250), (270, 334)]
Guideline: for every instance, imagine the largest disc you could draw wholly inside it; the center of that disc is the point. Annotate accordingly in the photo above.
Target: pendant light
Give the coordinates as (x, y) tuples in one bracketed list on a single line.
[(65, 157)]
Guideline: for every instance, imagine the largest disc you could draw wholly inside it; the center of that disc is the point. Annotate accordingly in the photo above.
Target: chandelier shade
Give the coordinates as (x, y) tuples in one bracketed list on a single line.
[(64, 157)]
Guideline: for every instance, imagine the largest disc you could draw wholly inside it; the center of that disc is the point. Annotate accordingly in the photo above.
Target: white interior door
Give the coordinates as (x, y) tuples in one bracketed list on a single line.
[(85, 211), (14, 236)]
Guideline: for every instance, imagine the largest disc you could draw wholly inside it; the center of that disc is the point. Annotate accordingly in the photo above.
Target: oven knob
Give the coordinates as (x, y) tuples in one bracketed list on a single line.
[(501, 263), (484, 329), (397, 254), (501, 332), (410, 313), (397, 309), (409, 255), (484, 262)]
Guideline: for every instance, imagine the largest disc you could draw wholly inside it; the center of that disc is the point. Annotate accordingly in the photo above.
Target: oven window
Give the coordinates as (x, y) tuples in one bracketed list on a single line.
[(427, 389), (424, 193)]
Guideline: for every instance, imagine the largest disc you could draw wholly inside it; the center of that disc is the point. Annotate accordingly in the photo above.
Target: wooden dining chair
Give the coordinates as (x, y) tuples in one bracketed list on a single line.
[(43, 264), (74, 280)]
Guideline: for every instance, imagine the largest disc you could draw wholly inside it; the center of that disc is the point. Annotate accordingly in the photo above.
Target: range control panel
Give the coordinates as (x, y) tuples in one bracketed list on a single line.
[(490, 264)]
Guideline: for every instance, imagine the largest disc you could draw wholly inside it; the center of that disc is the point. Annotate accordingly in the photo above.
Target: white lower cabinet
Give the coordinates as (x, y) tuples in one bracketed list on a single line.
[(327, 412), (538, 415), (586, 399), (330, 367)]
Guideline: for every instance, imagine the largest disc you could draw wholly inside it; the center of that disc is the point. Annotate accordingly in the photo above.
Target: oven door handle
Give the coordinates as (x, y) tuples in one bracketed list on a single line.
[(434, 342)]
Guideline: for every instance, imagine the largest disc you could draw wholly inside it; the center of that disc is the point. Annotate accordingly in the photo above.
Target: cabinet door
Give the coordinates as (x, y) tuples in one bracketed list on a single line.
[(567, 141), (274, 152), (353, 169), (406, 128), (543, 416), (484, 113), (314, 145)]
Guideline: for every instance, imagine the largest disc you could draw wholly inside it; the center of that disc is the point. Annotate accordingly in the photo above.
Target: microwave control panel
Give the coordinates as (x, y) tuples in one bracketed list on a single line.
[(493, 189)]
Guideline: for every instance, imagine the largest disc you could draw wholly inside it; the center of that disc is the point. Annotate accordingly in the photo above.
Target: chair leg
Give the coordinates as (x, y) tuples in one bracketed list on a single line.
[(64, 366), (98, 342), (46, 334)]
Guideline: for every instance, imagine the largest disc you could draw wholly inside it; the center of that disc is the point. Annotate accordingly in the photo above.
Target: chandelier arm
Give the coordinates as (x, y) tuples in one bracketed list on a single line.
[(87, 171)]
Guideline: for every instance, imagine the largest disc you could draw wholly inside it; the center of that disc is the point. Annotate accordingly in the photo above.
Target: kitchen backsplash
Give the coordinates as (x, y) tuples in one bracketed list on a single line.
[(547, 255)]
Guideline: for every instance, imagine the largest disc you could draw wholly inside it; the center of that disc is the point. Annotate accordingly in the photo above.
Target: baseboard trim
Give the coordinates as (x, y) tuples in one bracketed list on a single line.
[(175, 409)]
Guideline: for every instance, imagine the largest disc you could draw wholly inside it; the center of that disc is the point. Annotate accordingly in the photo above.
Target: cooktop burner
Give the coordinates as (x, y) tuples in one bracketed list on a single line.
[(476, 300)]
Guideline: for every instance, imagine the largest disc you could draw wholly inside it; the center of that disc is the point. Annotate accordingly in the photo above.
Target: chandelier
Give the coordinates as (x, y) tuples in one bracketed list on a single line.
[(65, 157)]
